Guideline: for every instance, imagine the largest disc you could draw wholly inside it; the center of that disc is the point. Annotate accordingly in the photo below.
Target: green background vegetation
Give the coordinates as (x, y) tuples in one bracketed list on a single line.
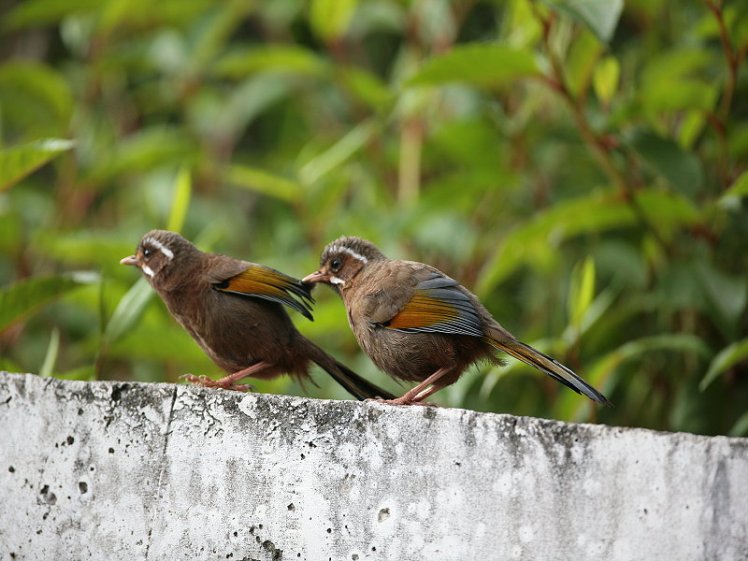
[(578, 164)]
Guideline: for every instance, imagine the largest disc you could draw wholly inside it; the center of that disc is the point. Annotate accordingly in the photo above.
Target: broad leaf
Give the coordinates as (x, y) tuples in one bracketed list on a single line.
[(20, 299), (664, 157), (287, 59), (581, 290), (262, 182), (601, 16), (330, 18), (481, 64), (19, 161), (128, 311), (181, 201), (725, 359)]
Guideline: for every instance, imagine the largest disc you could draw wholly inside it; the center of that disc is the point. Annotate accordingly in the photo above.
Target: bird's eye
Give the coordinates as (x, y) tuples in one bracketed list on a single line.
[(147, 252), (335, 265)]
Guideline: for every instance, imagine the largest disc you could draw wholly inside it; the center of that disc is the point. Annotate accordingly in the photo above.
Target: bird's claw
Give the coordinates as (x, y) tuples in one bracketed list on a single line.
[(211, 383)]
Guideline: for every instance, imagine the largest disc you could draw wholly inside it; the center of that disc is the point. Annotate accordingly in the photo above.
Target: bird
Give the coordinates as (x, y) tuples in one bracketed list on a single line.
[(236, 311), (417, 324)]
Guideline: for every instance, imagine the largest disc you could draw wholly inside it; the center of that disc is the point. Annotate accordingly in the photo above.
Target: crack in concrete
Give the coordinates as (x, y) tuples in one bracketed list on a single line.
[(161, 470)]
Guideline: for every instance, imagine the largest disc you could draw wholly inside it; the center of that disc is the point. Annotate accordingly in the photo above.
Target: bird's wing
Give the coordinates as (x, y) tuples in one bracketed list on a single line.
[(257, 281), (433, 303)]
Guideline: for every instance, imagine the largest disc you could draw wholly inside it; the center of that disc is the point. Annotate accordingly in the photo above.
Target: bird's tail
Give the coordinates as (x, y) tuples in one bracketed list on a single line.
[(506, 343), (358, 387)]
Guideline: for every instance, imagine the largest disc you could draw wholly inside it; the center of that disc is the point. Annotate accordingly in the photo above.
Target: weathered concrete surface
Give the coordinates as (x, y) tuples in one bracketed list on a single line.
[(112, 471)]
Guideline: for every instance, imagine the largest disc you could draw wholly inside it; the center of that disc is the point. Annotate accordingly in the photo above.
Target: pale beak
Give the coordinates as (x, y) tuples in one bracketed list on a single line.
[(131, 260), (317, 276)]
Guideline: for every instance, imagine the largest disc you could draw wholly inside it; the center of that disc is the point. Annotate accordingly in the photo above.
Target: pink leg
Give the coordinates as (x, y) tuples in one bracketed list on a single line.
[(416, 395), (228, 382)]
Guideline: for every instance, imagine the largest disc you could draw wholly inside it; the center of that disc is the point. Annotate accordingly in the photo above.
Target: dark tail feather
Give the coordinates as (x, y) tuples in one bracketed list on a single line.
[(549, 365), (358, 387)]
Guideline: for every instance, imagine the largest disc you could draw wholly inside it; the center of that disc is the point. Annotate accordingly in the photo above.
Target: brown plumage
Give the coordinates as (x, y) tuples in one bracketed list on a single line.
[(235, 311), (417, 324)]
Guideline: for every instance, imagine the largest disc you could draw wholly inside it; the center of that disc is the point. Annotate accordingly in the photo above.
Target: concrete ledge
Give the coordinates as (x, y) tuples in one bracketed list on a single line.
[(154, 471)]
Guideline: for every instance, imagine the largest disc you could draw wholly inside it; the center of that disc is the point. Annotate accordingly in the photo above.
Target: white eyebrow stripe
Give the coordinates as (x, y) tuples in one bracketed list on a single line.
[(349, 251), (148, 271), (161, 247)]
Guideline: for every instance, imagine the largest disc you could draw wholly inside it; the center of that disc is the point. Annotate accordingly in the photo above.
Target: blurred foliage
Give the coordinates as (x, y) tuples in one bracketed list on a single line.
[(580, 164)]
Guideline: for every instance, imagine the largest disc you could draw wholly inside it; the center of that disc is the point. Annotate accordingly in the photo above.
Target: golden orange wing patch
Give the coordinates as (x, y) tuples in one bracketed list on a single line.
[(423, 312), (269, 284)]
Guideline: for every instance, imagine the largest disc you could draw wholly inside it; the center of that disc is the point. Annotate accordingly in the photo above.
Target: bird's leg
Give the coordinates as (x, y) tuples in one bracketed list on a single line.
[(228, 382), (416, 395)]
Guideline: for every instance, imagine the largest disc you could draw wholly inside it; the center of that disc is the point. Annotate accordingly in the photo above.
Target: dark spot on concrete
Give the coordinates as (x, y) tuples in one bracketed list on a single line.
[(118, 391), (257, 539), (329, 530), (111, 450), (277, 554), (251, 529), (44, 516), (645, 511), (458, 464), (70, 440), (11, 469), (384, 514), (80, 411), (429, 412), (83, 487), (373, 548), (354, 557), (311, 444), (91, 468), (236, 534), (48, 496), (229, 555), (303, 456), (39, 531), (259, 526), (291, 507)]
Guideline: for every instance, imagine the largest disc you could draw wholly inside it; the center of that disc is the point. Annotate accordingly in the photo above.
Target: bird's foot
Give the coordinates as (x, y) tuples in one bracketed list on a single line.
[(403, 400), (211, 383)]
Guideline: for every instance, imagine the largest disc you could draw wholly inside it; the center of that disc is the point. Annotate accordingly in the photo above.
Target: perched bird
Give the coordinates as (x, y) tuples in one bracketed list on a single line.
[(235, 311), (417, 324)]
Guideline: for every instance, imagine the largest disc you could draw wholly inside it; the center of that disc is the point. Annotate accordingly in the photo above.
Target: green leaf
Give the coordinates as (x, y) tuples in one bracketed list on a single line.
[(581, 290), (740, 428), (664, 157), (581, 61), (725, 359), (23, 297), (737, 190), (128, 311), (337, 154), (590, 214), (330, 19), (181, 201), (605, 79), (365, 86), (19, 161), (287, 59), (601, 16), (50, 359), (35, 98), (482, 64), (37, 13), (263, 182)]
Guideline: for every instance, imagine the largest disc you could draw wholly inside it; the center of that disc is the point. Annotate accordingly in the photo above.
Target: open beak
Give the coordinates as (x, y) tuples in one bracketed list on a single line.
[(131, 260), (317, 276)]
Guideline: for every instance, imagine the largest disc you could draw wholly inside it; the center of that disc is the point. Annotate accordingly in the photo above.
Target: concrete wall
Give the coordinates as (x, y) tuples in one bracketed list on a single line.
[(110, 471)]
